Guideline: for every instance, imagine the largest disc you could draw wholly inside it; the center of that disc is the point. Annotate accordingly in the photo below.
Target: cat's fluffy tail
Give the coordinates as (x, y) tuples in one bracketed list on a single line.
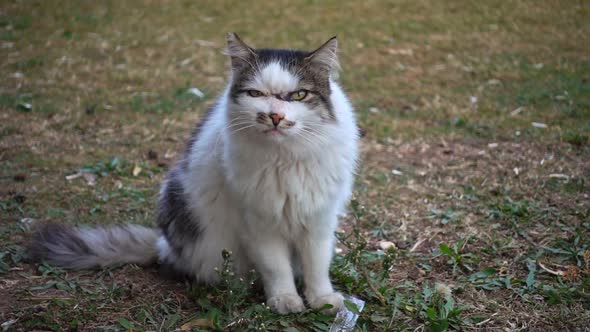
[(80, 248)]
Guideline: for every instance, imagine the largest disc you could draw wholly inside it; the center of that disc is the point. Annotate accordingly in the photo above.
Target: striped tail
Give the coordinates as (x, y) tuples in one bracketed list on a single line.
[(82, 248)]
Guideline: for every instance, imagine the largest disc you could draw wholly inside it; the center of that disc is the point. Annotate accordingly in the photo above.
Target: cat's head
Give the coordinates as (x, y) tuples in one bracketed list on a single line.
[(280, 94)]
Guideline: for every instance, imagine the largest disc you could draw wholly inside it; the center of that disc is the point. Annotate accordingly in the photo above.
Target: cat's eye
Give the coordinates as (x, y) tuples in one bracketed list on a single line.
[(298, 95), (255, 93)]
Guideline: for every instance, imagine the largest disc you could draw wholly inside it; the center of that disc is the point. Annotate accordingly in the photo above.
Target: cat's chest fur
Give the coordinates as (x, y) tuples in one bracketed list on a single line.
[(285, 189)]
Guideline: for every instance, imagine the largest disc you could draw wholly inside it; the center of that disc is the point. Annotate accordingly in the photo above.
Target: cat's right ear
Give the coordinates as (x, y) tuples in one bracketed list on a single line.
[(241, 54)]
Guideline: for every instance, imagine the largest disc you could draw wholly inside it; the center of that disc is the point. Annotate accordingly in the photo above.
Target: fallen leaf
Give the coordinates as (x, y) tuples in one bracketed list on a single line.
[(517, 111), (572, 273), (201, 322), (136, 170)]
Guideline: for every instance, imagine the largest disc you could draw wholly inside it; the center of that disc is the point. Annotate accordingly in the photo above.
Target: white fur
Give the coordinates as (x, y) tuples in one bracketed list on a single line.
[(111, 245), (273, 78), (273, 201)]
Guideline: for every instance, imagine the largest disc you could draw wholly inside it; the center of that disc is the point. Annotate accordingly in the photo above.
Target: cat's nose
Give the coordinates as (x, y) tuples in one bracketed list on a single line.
[(276, 117)]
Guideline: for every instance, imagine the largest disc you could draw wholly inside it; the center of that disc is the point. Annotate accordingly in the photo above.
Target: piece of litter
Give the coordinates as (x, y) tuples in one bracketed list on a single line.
[(559, 176), (7, 324), (196, 92), (492, 145), (373, 110), (386, 245), (337, 250), (396, 172), (473, 100), (539, 125), (346, 319), (516, 171)]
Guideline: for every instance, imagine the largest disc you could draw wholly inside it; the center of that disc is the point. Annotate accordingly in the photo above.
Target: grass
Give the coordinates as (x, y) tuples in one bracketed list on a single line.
[(475, 159)]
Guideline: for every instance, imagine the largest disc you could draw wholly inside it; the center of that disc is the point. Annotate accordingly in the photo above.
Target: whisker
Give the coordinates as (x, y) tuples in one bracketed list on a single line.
[(242, 128)]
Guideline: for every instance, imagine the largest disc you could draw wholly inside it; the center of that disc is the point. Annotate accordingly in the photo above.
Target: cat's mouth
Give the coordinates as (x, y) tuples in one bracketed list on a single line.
[(274, 131)]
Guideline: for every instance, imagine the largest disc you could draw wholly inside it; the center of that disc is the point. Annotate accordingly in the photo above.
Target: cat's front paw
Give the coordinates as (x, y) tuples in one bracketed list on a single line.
[(286, 303), (335, 299)]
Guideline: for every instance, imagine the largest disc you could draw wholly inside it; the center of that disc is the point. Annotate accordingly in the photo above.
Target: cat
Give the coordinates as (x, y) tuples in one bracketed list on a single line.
[(265, 175)]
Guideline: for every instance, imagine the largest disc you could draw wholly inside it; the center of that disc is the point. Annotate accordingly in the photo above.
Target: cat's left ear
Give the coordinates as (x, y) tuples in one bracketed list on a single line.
[(241, 54), (325, 57)]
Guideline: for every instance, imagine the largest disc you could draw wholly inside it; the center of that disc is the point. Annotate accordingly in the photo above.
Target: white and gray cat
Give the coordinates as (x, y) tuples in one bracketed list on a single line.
[(265, 175)]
